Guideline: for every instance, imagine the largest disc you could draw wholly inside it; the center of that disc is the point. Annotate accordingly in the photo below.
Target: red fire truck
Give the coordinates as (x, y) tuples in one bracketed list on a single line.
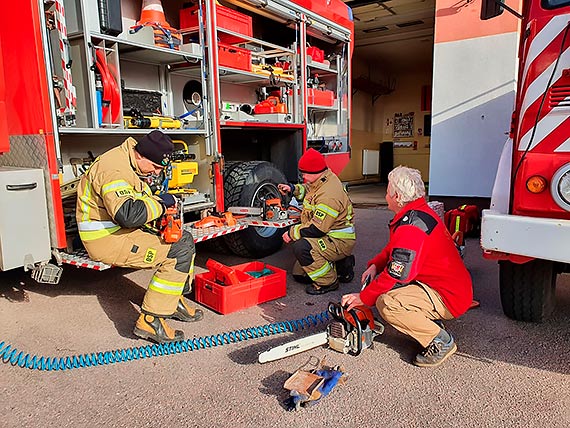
[(527, 227), (243, 87)]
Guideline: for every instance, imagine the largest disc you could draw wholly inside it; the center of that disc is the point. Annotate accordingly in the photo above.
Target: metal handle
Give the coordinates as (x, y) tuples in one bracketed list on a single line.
[(19, 187)]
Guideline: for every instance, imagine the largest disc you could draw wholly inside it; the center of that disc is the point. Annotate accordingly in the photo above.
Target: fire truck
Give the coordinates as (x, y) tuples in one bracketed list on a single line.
[(243, 88), (527, 227)]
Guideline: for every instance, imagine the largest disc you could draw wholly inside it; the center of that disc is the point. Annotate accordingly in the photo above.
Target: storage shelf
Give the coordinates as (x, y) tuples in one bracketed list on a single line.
[(322, 67), (129, 131), (142, 49), (270, 50), (323, 108), (233, 75)]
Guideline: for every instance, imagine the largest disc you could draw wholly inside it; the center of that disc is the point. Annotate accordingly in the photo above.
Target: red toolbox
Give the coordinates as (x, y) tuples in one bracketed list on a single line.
[(234, 57), (250, 291), (226, 18), (317, 54), (462, 219), (320, 97)]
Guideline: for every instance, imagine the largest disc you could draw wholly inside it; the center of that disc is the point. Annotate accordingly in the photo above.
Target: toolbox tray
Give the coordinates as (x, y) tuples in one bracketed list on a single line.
[(249, 292)]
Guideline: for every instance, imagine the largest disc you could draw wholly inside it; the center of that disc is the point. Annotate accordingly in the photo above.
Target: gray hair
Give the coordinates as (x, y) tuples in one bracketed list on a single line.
[(408, 183)]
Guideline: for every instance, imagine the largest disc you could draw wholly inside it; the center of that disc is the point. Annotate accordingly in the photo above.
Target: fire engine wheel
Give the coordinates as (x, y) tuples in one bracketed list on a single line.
[(247, 184), (528, 289)]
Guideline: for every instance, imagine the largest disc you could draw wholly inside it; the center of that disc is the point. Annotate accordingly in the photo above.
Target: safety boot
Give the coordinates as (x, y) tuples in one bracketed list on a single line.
[(156, 329), (440, 349), (186, 313), (345, 269), (314, 289)]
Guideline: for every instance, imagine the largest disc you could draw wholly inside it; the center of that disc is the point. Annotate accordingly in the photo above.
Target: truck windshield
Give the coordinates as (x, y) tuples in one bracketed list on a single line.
[(553, 4)]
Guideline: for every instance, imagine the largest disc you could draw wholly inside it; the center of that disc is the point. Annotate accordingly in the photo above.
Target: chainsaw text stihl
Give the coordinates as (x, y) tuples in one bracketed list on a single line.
[(348, 332)]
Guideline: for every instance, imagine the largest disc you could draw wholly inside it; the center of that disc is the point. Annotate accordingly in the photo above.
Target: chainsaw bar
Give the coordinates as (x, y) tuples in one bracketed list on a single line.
[(293, 348)]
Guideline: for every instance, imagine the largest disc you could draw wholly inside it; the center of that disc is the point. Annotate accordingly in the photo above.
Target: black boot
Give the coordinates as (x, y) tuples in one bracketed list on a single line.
[(316, 290), (345, 269), (156, 329), (186, 313), (440, 349)]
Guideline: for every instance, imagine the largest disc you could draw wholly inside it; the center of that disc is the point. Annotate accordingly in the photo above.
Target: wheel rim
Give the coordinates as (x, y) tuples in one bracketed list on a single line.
[(265, 191)]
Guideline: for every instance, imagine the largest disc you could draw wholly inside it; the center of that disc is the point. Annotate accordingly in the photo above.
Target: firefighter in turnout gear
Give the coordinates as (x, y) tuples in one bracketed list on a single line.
[(113, 204), (324, 239)]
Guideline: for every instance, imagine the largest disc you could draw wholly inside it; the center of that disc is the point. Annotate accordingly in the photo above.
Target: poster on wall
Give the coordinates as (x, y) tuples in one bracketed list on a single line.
[(403, 125)]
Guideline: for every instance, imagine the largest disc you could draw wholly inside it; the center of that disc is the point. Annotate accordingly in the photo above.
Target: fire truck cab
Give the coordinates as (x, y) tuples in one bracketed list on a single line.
[(243, 87), (527, 227)]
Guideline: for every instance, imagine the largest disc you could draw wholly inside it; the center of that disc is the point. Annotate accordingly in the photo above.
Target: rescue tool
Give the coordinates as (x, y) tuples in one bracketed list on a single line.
[(349, 332)]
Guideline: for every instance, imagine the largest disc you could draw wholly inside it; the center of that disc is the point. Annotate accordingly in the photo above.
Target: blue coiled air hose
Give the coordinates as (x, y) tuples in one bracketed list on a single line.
[(12, 356)]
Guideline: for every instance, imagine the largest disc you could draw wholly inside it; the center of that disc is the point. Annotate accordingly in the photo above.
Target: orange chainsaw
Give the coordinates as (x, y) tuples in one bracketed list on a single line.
[(170, 226)]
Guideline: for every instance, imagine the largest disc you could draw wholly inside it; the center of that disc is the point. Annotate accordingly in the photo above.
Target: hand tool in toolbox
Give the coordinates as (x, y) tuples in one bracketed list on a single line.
[(349, 332)]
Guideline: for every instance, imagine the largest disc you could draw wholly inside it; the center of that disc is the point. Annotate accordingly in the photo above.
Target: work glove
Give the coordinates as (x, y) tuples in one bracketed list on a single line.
[(167, 200)]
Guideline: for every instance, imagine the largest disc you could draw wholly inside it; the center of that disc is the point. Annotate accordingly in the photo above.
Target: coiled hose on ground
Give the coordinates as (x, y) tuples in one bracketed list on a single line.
[(10, 355)]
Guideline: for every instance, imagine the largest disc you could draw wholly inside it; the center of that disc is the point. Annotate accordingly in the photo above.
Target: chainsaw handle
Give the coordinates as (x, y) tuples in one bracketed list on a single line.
[(358, 327)]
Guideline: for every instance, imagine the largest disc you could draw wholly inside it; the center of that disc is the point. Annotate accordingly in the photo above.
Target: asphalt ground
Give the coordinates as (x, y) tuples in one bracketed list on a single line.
[(505, 373)]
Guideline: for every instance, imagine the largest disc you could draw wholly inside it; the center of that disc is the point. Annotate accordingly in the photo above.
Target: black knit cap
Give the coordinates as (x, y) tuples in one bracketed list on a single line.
[(156, 146)]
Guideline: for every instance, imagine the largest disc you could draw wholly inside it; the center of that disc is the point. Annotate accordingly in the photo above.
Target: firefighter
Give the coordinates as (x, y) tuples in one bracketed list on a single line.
[(418, 279), (324, 239), (114, 202)]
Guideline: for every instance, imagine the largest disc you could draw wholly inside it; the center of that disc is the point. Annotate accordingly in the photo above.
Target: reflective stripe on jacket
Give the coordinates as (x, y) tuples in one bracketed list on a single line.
[(109, 182), (327, 206)]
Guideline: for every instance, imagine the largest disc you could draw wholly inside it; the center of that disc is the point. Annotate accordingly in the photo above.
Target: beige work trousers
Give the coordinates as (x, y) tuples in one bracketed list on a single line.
[(412, 309)]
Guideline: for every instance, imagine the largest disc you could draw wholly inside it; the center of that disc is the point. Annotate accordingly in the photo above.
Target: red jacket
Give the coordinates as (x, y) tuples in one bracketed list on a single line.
[(421, 249)]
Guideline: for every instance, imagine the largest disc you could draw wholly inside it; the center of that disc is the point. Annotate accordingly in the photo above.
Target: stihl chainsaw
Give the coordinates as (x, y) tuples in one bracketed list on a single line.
[(348, 332)]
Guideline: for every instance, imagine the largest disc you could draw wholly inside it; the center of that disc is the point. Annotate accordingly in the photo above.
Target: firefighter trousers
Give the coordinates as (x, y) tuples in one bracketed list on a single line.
[(134, 248), (412, 310), (316, 258)]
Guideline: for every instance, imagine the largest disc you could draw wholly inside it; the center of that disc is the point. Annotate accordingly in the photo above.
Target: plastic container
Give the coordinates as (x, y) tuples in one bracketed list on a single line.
[(320, 98), (234, 57), (316, 54), (226, 18), (251, 291)]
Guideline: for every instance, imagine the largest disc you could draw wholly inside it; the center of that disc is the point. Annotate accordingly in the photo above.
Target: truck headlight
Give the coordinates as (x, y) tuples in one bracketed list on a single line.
[(560, 187)]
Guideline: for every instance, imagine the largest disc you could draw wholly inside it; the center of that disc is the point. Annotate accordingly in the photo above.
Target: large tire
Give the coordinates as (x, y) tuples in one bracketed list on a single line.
[(245, 185), (528, 289)]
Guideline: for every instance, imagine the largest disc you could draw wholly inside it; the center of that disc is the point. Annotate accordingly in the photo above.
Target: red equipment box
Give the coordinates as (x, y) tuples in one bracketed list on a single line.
[(249, 292), (226, 18), (234, 57), (320, 98), (462, 219), (317, 54)]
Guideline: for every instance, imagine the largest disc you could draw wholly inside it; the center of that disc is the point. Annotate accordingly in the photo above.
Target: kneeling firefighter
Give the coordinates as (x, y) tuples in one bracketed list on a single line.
[(324, 240), (113, 203)]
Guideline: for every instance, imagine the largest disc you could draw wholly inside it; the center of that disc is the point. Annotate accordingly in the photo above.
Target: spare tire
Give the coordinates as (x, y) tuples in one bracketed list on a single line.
[(247, 184)]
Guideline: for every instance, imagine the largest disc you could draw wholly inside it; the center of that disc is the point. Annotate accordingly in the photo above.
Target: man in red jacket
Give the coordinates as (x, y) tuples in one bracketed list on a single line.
[(419, 278)]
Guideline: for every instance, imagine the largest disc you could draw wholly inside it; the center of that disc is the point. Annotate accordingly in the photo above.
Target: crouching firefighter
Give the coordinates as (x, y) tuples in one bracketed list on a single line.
[(324, 240), (113, 203)]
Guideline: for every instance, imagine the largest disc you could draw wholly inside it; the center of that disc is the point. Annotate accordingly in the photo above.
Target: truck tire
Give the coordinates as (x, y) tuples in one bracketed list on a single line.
[(528, 289), (245, 185)]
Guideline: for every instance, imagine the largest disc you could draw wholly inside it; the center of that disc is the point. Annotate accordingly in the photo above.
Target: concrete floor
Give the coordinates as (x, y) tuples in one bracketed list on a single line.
[(505, 374)]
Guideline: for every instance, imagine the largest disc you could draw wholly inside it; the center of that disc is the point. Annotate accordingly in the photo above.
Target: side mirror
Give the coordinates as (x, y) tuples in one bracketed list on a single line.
[(491, 8)]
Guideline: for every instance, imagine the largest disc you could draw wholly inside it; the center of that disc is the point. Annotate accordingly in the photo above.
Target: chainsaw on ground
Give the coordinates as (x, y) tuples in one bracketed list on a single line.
[(349, 332), (271, 210)]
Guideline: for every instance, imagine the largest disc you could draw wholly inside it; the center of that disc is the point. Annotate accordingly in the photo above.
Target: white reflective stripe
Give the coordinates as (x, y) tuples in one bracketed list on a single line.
[(546, 125), (85, 199), (349, 229), (115, 185), (564, 147), (86, 226), (548, 33)]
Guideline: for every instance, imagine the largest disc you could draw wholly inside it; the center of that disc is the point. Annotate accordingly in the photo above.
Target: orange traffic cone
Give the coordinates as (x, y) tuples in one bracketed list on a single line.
[(152, 13)]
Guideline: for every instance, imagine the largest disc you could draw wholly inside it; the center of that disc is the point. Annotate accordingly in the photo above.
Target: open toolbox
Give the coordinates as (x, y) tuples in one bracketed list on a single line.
[(227, 289)]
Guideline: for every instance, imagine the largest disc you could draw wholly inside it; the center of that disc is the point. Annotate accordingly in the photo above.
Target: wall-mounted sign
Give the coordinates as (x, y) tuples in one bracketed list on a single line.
[(403, 125)]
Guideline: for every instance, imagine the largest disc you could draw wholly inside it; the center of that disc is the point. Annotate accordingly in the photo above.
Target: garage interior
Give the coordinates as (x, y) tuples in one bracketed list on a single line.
[(391, 87)]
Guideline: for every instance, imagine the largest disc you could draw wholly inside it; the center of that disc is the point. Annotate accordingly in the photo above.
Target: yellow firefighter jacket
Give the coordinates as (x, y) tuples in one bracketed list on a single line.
[(111, 195), (326, 206)]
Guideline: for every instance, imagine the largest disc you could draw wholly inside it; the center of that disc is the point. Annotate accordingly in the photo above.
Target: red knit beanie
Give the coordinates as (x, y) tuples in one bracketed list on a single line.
[(312, 162)]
